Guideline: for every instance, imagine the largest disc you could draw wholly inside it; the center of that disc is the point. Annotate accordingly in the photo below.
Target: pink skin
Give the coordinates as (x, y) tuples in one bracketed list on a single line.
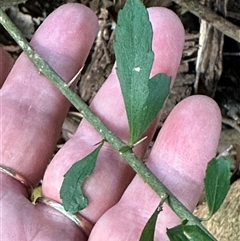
[(6, 64), (32, 111)]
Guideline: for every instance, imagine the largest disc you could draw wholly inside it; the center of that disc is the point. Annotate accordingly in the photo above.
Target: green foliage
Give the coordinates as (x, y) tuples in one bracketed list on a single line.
[(217, 183), (176, 234), (143, 98), (149, 229), (186, 232), (194, 233), (71, 193)]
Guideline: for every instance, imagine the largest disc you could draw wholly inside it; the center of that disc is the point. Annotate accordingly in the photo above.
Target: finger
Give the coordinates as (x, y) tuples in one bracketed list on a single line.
[(187, 141), (112, 175), (6, 63), (20, 220), (32, 108)]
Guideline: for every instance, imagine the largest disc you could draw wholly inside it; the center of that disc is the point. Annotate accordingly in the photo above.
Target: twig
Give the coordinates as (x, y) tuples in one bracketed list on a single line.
[(195, 7), (137, 165), (231, 123)]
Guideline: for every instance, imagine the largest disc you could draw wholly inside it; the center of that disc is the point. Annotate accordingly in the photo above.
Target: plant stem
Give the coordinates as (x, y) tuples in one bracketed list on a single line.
[(139, 167)]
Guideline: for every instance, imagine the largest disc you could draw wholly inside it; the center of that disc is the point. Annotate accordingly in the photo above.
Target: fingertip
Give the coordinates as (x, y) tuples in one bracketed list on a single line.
[(65, 26), (192, 130), (66, 34), (168, 40)]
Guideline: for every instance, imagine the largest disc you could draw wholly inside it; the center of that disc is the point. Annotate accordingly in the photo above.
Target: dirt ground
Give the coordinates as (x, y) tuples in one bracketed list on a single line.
[(209, 66)]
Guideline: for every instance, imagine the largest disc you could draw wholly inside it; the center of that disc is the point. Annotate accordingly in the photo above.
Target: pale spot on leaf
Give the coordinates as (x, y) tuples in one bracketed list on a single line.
[(137, 69)]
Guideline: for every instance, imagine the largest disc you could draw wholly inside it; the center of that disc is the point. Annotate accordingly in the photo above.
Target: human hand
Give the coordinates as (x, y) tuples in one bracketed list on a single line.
[(32, 113)]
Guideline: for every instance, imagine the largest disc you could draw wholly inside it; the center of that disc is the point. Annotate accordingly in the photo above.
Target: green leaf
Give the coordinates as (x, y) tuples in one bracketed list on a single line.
[(194, 233), (71, 193), (217, 183), (176, 234), (149, 229), (188, 233), (143, 98)]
